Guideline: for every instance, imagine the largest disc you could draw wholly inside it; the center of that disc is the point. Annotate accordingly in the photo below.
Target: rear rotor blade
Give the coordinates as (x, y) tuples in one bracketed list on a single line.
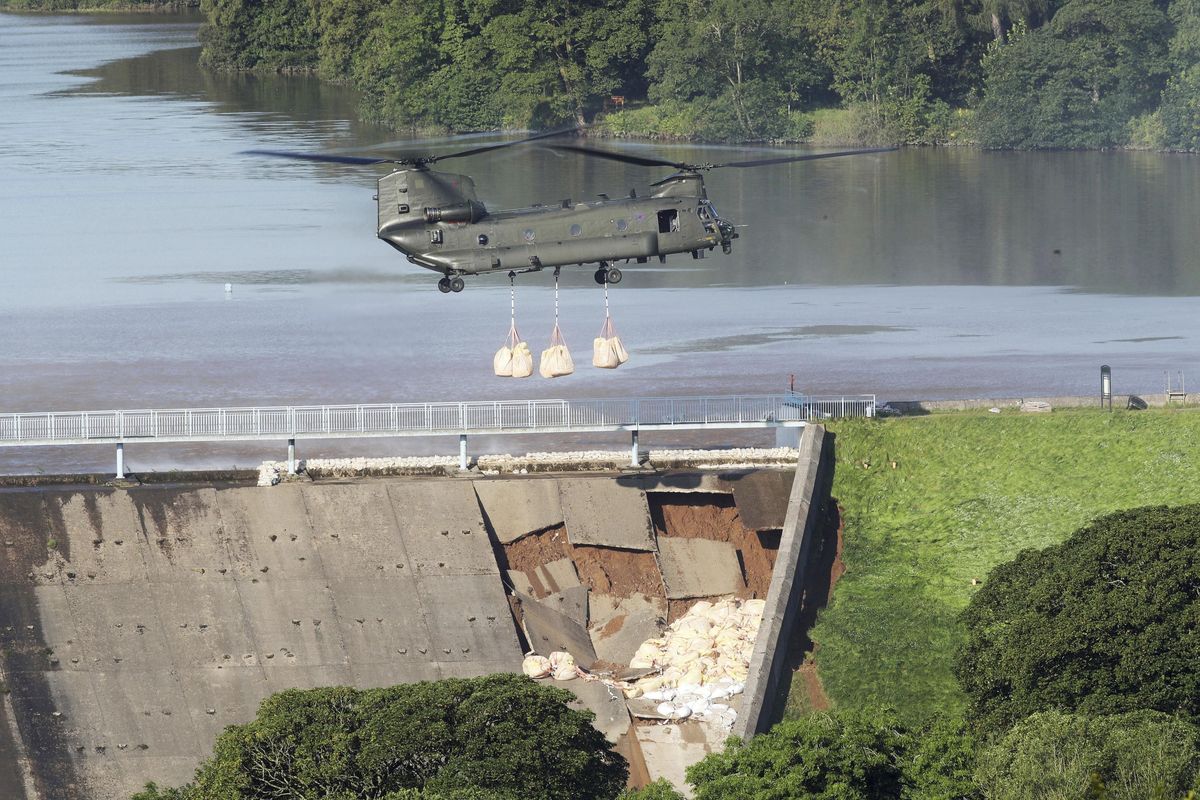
[(489, 147), (641, 161), (324, 158), (763, 162)]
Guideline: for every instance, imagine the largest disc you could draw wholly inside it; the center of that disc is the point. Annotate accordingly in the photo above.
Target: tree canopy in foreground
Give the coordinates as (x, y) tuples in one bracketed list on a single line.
[(501, 737), (1104, 623), (1135, 756)]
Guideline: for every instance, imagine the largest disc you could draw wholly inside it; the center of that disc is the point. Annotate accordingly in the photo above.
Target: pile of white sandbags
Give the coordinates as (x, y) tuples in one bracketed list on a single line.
[(560, 666), (514, 359), (708, 647), (702, 703), (556, 359)]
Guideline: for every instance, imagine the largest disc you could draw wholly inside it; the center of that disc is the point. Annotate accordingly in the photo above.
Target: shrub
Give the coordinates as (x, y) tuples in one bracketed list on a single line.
[(1106, 622), (502, 737), (1135, 756)]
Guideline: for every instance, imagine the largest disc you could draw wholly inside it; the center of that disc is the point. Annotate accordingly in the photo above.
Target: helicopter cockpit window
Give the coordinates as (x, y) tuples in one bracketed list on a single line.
[(668, 221), (622, 225), (576, 230)]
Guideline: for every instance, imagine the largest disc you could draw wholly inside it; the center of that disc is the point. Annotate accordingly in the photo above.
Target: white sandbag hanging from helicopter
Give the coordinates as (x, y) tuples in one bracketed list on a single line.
[(607, 350), (556, 359), (514, 358)]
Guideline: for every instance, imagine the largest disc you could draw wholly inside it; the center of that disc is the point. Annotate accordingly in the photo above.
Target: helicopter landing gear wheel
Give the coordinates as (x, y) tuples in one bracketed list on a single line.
[(614, 275), (444, 286), (601, 276), (457, 284)]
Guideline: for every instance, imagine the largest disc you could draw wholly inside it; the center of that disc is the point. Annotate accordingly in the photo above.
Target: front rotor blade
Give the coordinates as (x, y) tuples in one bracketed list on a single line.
[(641, 161), (762, 162), (488, 148), (328, 159)]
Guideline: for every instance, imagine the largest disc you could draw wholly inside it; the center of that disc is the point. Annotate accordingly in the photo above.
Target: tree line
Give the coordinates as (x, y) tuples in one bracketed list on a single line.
[(1000, 73)]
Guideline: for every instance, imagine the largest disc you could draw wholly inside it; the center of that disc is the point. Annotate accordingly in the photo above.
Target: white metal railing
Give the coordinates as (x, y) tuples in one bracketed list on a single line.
[(214, 424)]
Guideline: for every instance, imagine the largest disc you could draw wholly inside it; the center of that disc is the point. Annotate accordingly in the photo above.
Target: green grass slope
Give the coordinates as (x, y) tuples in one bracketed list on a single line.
[(968, 492)]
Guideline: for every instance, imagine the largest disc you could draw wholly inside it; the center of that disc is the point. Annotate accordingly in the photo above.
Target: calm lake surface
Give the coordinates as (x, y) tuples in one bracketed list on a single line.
[(125, 207)]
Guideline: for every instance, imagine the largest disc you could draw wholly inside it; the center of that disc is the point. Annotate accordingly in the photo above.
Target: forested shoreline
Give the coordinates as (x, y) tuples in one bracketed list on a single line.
[(1024, 74), (1000, 73)]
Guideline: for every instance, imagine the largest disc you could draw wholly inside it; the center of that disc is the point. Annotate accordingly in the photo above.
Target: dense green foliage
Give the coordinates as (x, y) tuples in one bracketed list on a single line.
[(1106, 622), (841, 756), (969, 492), (1136, 756), (1043, 73), (502, 737)]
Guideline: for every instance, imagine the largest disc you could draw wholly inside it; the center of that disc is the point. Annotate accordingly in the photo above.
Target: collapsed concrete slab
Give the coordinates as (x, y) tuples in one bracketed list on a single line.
[(621, 624), (516, 508), (547, 630), (762, 498), (699, 568), (606, 514)]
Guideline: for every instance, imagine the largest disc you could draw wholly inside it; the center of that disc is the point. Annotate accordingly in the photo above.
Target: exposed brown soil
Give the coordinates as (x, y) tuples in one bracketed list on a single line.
[(615, 624), (604, 570), (813, 688), (620, 573), (824, 568), (714, 516)]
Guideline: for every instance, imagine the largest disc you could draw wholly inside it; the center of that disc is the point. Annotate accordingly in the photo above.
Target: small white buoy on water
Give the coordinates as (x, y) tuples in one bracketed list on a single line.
[(229, 288)]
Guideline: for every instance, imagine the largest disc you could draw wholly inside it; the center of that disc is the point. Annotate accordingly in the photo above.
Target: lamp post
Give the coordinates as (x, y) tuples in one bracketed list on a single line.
[(1106, 386)]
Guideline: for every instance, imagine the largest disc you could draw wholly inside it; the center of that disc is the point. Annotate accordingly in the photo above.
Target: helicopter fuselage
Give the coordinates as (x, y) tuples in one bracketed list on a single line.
[(437, 221)]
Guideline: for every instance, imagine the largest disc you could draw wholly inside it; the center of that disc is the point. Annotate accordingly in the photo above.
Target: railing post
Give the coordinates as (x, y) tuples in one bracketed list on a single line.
[(843, 406), (291, 456), (462, 452), (633, 450), (86, 433), (120, 461)]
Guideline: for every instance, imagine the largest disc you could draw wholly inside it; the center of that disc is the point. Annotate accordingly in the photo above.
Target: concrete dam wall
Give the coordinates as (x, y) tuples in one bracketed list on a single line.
[(135, 624)]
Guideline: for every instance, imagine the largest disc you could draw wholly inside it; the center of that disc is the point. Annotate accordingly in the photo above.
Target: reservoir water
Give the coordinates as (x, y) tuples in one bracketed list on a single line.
[(125, 208)]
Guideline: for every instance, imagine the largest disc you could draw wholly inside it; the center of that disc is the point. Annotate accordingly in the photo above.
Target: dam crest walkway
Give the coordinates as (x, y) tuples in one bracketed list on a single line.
[(491, 417)]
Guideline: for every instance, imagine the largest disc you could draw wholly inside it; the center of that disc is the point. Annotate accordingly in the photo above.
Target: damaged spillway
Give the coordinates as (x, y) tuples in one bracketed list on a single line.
[(136, 624)]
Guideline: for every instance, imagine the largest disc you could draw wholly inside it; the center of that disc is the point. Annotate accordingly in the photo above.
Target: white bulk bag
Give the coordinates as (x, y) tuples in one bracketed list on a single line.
[(536, 666), (603, 355), (502, 363), (556, 359), (510, 360), (607, 350), (522, 361)]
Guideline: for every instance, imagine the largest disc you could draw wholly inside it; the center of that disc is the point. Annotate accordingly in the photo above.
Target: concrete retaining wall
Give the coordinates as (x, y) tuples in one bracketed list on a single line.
[(810, 490)]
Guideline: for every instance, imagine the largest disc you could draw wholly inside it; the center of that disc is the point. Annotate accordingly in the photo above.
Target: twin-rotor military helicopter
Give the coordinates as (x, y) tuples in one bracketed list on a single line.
[(438, 222)]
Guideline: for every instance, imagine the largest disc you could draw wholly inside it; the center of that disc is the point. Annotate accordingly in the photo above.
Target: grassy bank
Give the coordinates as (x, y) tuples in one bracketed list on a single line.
[(969, 491)]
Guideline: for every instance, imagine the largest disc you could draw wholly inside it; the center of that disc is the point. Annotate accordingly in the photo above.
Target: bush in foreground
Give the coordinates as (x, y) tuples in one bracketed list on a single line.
[(1107, 622), (501, 737), (1135, 756)]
